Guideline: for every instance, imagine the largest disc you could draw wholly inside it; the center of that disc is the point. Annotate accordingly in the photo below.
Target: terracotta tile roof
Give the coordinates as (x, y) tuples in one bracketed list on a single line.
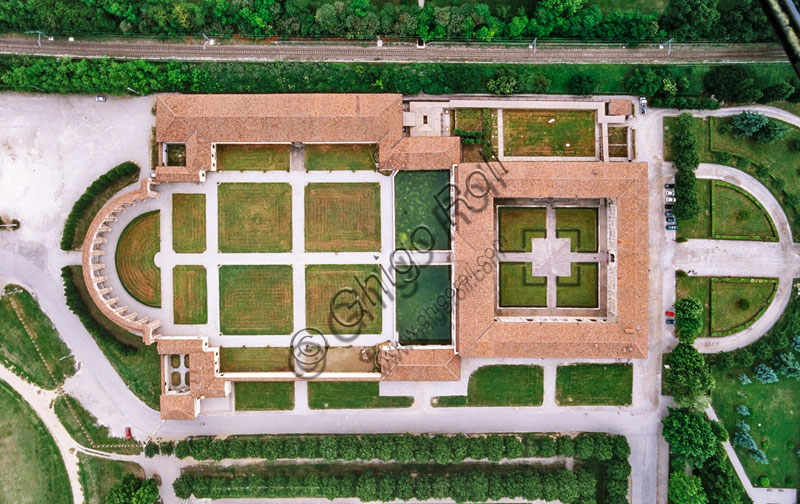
[(168, 345), (620, 107), (420, 364), (480, 333), (203, 379), (177, 407), (425, 153)]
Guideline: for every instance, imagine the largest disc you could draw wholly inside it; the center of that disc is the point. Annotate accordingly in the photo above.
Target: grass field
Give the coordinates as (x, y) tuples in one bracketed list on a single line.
[(323, 284), (190, 296), (519, 289), (773, 420), (98, 475), (254, 359), (422, 308), (579, 290), (500, 386), (351, 395), (255, 299), (340, 156), (255, 217), (343, 217), (594, 384), (260, 396), (700, 225), (580, 226), (189, 223), (618, 136), (736, 214), (259, 157), (519, 225), (20, 350), (420, 222), (84, 428), (469, 119), (33, 470), (530, 133), (135, 259)]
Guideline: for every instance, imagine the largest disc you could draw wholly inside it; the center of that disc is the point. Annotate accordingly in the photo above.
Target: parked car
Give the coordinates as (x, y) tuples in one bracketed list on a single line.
[(669, 213), (643, 104), (670, 219), (669, 192), (669, 314), (671, 321), (669, 199), (128, 434), (667, 207), (671, 227), (99, 98), (669, 186)]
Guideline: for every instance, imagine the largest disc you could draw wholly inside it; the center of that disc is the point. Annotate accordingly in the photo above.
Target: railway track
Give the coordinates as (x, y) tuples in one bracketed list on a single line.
[(545, 52)]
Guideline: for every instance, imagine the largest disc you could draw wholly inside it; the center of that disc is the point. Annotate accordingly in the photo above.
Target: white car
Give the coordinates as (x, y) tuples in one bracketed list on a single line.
[(669, 192), (669, 199), (99, 98)]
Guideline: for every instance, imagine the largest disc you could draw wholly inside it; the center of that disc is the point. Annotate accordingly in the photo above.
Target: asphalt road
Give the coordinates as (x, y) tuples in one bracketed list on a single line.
[(397, 52)]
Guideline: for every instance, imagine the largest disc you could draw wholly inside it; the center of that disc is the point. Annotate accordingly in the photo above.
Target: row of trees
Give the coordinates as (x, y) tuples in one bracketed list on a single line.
[(686, 159), (403, 448), (132, 490), (740, 20)]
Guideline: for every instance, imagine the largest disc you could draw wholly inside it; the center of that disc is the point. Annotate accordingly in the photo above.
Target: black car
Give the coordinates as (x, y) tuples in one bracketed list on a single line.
[(668, 206), (669, 186)]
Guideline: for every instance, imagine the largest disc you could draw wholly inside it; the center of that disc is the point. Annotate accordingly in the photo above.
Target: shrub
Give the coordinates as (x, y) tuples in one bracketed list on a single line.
[(167, 448), (743, 304), (762, 171), (771, 132), (581, 84), (723, 361), (182, 449), (689, 435), (743, 410), (765, 374), (743, 357), (747, 124), (151, 449), (743, 163), (763, 481)]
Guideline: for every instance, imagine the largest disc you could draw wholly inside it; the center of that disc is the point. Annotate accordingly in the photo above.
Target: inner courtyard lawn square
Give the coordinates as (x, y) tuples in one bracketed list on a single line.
[(419, 218), (340, 156), (342, 217), (331, 304), (255, 299), (519, 288), (423, 311), (580, 289), (260, 157), (255, 217), (580, 226), (519, 225), (549, 133)]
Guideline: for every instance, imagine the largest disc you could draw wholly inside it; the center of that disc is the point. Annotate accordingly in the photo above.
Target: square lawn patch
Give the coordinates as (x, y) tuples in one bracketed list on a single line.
[(189, 304), (343, 217), (352, 395), (594, 384), (519, 225), (189, 223), (323, 286), (255, 299), (579, 290), (420, 222), (549, 133), (340, 156), (261, 396), (255, 217), (254, 359), (423, 307), (580, 226), (260, 157), (519, 289)]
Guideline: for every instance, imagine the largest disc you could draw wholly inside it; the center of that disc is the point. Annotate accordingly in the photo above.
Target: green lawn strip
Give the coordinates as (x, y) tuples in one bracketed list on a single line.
[(320, 157), (594, 384), (420, 221), (580, 289), (700, 225), (84, 428), (98, 475), (189, 223), (351, 395), (580, 223), (261, 396), (504, 385), (519, 289), (190, 296), (422, 306), (257, 157), (727, 314), (138, 244), (737, 215), (701, 131), (333, 309), (534, 133), (254, 359), (469, 119), (20, 350), (255, 217), (33, 470), (343, 217), (699, 288), (772, 419), (255, 299), (519, 225), (138, 365)]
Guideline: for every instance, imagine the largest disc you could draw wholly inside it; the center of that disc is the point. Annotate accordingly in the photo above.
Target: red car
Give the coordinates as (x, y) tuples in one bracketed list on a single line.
[(670, 314), (128, 434)]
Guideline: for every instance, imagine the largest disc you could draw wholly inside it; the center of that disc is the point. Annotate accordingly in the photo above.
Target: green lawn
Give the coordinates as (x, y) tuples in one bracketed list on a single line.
[(469, 119), (579, 290), (98, 475), (519, 289), (259, 157), (519, 225), (138, 366), (700, 225), (255, 217), (189, 223), (500, 386), (698, 288), (332, 292), (351, 395), (420, 221), (594, 384), (535, 133), (20, 350), (33, 470), (773, 419), (340, 156), (254, 359), (343, 217), (422, 307), (260, 396), (580, 226), (255, 299), (190, 296), (84, 428), (138, 244), (738, 215)]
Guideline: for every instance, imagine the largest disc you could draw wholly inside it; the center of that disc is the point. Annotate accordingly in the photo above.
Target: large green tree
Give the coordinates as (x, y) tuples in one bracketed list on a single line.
[(688, 374), (689, 435), (686, 489)]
